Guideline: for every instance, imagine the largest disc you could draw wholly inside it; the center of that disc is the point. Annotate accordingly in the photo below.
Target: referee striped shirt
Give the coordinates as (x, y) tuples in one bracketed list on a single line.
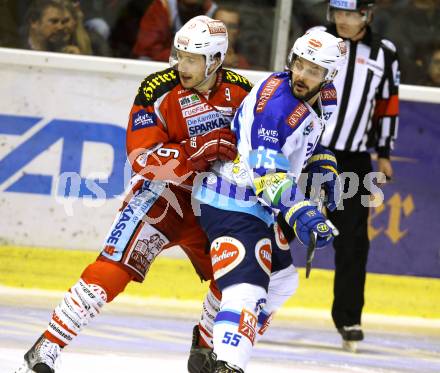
[(368, 103)]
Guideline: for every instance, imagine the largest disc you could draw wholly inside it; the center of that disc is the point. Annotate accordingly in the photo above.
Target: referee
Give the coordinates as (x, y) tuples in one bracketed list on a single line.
[(367, 117)]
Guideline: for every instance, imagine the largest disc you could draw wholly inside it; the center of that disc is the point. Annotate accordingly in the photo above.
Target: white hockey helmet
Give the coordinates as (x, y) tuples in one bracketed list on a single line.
[(202, 35), (321, 48)]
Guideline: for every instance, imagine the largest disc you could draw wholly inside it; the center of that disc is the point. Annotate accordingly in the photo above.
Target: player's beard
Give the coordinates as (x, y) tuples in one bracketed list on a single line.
[(56, 42), (308, 92)]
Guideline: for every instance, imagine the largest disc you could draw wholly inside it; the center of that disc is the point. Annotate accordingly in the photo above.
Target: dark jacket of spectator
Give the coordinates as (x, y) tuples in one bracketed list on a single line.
[(161, 21), (9, 24)]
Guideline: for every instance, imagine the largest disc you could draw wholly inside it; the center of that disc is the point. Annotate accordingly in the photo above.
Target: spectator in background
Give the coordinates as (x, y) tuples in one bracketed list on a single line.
[(231, 18), (420, 27), (57, 26), (161, 21), (101, 15), (76, 39), (432, 68), (45, 26), (89, 41), (125, 27), (95, 15)]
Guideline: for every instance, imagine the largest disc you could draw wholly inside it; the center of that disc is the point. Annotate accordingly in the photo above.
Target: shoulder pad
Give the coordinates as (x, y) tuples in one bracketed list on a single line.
[(389, 45), (157, 84), (232, 77)]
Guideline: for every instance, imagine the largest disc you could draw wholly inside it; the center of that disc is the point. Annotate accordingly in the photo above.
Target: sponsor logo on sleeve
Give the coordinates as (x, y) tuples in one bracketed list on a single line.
[(143, 119), (329, 96), (226, 254), (263, 253), (297, 115), (268, 90)]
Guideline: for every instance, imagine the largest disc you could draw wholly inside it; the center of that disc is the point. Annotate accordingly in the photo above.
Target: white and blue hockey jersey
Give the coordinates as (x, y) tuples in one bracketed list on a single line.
[(276, 134)]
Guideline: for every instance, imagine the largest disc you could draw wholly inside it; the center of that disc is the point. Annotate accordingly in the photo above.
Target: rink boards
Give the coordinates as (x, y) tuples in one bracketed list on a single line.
[(63, 163)]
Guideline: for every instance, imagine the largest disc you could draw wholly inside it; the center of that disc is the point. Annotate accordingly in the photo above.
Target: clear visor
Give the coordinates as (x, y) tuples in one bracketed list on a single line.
[(348, 17), (307, 71), (186, 62)]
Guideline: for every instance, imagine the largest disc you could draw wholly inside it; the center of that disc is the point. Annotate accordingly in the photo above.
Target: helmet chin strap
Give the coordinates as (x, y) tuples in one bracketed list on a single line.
[(207, 76)]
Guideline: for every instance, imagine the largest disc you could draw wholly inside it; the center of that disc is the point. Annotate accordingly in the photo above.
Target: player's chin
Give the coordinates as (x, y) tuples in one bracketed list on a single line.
[(300, 93), (187, 83)]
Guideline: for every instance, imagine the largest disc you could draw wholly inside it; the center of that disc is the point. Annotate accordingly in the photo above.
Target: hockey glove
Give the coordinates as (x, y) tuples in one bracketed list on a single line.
[(306, 219), (217, 145), (324, 163)]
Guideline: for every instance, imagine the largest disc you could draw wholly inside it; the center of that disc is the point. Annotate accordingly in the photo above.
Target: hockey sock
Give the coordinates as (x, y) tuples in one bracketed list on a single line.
[(80, 304), (282, 286), (236, 323), (211, 306), (100, 282)]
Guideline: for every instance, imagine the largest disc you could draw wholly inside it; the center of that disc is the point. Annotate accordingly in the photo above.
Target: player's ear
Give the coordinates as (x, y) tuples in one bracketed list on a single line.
[(214, 66)]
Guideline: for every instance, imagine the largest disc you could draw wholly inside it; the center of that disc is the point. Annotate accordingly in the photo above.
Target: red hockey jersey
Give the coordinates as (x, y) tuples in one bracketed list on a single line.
[(164, 114)]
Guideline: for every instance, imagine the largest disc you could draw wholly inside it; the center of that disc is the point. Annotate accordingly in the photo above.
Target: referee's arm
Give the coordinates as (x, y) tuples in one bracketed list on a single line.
[(386, 112)]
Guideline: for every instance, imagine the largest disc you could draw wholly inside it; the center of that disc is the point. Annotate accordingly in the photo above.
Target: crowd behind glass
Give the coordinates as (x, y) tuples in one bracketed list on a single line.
[(144, 29)]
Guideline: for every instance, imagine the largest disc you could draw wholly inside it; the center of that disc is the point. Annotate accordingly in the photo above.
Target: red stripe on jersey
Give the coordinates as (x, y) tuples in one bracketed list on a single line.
[(387, 107)]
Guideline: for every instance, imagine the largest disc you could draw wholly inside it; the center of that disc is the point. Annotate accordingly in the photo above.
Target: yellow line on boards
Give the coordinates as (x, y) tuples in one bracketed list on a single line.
[(174, 278)]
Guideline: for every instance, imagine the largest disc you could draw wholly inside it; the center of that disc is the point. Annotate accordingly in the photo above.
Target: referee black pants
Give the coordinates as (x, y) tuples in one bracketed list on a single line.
[(352, 244)]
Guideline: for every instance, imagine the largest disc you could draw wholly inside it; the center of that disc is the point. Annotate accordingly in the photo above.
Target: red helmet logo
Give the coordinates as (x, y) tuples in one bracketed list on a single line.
[(315, 43)]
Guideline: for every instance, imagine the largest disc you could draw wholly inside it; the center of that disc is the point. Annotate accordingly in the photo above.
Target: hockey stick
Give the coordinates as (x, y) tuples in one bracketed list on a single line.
[(310, 253), (314, 236)]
